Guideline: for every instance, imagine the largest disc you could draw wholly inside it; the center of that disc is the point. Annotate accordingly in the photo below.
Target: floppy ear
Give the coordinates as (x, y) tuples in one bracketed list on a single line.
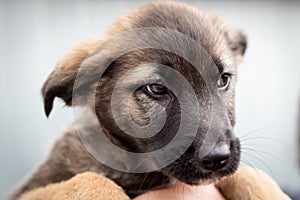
[(61, 81), (236, 40)]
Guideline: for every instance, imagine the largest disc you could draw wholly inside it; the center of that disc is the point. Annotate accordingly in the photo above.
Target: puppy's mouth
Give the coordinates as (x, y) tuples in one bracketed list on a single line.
[(194, 171)]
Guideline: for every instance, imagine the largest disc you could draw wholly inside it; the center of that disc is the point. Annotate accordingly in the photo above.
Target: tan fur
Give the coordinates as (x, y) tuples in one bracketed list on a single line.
[(85, 186), (246, 184), (250, 184), (77, 54)]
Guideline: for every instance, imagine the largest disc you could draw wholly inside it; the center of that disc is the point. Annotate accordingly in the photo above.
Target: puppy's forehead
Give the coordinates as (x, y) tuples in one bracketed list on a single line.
[(184, 19)]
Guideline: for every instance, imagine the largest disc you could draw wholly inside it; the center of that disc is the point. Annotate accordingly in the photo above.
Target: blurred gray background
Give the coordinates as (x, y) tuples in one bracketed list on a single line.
[(34, 35)]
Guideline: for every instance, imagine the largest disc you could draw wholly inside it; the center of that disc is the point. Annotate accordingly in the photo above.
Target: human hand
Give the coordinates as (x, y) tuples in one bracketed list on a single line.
[(181, 191)]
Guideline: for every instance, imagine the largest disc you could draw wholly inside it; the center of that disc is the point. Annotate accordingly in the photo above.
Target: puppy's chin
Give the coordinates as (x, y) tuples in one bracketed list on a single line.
[(199, 177)]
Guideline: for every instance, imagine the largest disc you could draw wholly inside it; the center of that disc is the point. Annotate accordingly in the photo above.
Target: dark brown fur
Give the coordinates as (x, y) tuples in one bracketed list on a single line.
[(68, 156)]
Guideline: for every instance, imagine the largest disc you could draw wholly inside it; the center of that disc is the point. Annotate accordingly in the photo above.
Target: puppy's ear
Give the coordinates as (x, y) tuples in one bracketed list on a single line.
[(237, 42), (236, 39), (61, 81)]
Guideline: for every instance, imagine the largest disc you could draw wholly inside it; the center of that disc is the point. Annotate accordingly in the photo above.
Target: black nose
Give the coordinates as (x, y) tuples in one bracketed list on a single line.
[(216, 159)]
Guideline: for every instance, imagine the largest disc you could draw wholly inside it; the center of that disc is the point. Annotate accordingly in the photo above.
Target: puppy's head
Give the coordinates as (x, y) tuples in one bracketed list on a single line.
[(140, 84)]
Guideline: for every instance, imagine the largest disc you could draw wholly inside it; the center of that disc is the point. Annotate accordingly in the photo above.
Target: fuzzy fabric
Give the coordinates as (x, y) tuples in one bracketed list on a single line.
[(250, 184), (84, 186), (246, 184)]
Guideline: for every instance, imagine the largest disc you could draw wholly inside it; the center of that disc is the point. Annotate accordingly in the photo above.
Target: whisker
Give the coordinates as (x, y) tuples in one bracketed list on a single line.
[(248, 163), (144, 179), (266, 153), (264, 163), (251, 144), (254, 132), (255, 151), (272, 139)]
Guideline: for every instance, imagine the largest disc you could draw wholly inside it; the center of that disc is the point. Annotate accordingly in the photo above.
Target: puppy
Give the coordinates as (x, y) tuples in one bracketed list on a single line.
[(89, 75)]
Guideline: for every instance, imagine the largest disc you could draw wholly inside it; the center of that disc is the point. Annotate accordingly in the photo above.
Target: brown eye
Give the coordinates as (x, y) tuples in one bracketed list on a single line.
[(224, 81), (156, 90)]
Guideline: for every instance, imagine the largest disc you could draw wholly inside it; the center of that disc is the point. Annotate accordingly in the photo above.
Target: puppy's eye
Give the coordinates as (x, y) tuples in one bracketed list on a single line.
[(224, 81), (156, 90)]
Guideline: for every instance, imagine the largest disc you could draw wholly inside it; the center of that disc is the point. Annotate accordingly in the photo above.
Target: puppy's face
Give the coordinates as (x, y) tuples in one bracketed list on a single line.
[(148, 93)]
